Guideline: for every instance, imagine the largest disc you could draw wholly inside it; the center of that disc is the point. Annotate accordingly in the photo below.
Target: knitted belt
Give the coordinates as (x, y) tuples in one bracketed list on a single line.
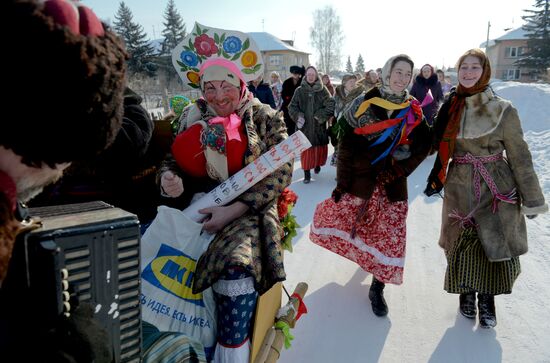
[(480, 171)]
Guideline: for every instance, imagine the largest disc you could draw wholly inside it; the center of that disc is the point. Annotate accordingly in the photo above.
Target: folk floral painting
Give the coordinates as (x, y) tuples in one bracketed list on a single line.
[(205, 42)]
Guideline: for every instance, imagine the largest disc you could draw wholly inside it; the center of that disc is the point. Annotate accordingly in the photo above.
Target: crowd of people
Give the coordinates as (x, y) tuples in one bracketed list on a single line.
[(382, 124)]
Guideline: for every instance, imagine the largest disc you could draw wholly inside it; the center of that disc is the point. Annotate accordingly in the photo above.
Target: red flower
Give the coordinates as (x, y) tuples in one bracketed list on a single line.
[(205, 45), (287, 197)]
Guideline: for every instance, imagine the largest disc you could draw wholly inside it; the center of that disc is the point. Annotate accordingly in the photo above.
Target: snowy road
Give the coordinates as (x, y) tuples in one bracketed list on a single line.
[(423, 324)]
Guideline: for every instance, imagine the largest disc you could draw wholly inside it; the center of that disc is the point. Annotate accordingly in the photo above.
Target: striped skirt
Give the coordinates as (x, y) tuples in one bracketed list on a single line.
[(468, 269), (314, 156)]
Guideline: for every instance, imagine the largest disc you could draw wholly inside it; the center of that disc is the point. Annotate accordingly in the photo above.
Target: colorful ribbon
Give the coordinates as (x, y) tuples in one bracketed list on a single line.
[(231, 125), (285, 329), (302, 308), (409, 117), (480, 171)]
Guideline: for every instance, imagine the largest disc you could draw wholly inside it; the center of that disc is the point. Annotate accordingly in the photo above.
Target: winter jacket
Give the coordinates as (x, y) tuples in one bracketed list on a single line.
[(313, 102), (420, 89), (252, 241), (289, 87), (356, 174), (490, 125), (263, 93)]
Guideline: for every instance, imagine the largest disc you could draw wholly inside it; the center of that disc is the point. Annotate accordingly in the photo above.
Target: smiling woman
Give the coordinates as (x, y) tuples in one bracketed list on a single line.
[(218, 136), (386, 138), (489, 187)]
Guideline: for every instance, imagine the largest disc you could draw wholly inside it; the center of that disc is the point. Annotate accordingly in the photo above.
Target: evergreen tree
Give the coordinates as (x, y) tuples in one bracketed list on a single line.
[(174, 28), (360, 65), (537, 30), (137, 45), (349, 68)]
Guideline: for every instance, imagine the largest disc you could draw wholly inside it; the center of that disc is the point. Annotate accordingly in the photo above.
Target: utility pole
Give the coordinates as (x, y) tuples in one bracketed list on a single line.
[(263, 28), (487, 43)]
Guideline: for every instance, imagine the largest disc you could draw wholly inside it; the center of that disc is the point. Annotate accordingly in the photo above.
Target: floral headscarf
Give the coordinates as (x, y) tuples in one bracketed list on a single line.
[(207, 43)]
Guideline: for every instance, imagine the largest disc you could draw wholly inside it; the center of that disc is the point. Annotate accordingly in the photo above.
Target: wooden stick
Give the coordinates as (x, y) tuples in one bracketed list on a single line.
[(274, 351)]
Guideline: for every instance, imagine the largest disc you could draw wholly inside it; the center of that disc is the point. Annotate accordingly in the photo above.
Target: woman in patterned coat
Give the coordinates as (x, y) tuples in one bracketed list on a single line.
[(487, 193), (364, 220), (245, 258)]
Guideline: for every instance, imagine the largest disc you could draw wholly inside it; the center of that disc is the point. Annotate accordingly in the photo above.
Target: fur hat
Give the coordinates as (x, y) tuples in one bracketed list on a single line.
[(298, 70), (66, 80)]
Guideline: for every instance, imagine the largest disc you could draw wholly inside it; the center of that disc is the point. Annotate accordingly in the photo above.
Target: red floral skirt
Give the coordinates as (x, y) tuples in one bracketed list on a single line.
[(370, 233), (314, 156)]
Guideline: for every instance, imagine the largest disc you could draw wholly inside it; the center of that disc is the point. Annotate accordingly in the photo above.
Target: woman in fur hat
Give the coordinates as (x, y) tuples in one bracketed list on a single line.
[(311, 108), (385, 140), (487, 193)]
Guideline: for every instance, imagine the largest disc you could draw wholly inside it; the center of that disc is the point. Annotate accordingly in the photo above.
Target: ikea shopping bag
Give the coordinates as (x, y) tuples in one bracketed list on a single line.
[(170, 249)]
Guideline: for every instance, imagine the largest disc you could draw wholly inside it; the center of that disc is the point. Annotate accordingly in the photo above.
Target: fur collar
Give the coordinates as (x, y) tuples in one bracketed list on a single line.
[(482, 114)]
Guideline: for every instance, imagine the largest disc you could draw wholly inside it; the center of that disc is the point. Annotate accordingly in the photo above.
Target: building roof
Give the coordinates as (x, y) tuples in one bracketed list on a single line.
[(268, 42), (516, 34)]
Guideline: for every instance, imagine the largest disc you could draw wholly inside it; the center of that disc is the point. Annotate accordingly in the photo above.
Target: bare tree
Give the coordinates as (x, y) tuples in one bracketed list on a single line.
[(326, 37)]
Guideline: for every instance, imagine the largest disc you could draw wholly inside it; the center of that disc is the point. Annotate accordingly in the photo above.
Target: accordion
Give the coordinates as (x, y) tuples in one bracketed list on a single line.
[(82, 253)]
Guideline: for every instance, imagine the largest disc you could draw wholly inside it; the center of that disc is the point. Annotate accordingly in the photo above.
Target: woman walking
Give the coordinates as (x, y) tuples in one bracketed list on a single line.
[(489, 187), (311, 108), (364, 220)]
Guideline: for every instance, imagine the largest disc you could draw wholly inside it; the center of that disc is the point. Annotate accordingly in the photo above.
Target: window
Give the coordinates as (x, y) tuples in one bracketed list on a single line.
[(513, 52), (275, 60), (510, 74)]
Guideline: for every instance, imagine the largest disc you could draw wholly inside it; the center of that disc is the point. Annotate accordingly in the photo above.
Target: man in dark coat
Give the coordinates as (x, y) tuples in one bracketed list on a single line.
[(289, 86)]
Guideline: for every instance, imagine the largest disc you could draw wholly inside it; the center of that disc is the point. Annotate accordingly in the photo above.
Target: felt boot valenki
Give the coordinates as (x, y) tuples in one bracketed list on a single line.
[(468, 305), (307, 176), (487, 313), (376, 296)]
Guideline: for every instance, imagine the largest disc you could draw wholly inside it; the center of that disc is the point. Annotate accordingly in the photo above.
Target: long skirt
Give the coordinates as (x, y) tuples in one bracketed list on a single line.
[(370, 233), (314, 156), (469, 269)]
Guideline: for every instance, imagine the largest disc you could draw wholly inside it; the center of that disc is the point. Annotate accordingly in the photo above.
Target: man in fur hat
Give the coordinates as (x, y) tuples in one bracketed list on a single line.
[(289, 86), (67, 72)]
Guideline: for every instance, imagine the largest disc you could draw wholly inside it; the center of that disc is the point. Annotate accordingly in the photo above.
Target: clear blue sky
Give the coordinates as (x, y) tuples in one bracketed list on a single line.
[(431, 31)]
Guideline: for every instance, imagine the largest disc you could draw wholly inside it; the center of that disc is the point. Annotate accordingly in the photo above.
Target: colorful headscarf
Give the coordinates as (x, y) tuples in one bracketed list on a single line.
[(207, 43)]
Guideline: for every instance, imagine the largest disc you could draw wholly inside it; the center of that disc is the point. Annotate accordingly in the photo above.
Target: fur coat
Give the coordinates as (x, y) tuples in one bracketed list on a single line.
[(490, 125), (314, 103)]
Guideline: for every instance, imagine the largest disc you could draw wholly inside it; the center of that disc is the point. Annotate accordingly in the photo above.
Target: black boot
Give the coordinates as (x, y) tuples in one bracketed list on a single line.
[(307, 176), (487, 313), (468, 305), (317, 169), (376, 296)]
